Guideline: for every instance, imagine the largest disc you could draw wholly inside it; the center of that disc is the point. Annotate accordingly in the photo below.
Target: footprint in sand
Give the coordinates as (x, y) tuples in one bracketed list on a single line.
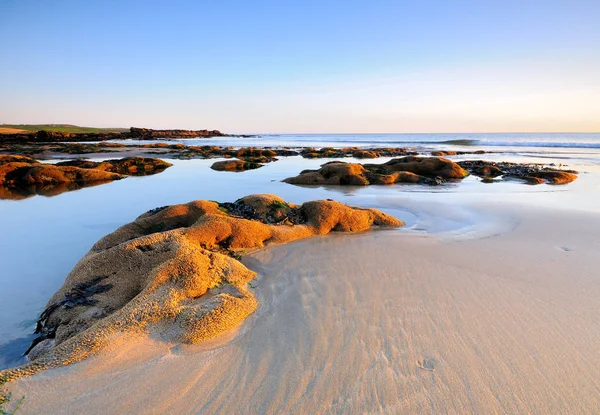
[(564, 248), (428, 363)]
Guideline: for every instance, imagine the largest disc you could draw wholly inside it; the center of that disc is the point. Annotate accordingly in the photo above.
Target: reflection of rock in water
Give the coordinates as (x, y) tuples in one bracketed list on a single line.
[(49, 190), (175, 271), (22, 177)]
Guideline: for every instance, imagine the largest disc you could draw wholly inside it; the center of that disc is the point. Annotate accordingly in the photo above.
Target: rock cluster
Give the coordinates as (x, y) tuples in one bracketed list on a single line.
[(356, 152), (427, 170), (530, 173), (235, 165), (22, 176), (173, 272), (411, 169), (444, 153), (131, 166)]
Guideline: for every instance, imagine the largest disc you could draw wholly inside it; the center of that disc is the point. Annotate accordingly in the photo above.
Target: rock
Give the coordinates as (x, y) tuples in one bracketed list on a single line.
[(131, 166), (426, 170), (443, 153), (41, 348), (173, 272), (530, 173), (365, 154), (427, 166), (329, 152), (235, 165), (22, 176), (4, 159), (255, 152), (555, 176)]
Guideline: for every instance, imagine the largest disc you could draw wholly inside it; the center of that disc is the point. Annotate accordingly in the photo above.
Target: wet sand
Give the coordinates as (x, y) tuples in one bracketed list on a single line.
[(382, 322)]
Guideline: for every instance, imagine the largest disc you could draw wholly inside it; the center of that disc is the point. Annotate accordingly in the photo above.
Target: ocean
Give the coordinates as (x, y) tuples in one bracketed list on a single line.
[(454, 140)]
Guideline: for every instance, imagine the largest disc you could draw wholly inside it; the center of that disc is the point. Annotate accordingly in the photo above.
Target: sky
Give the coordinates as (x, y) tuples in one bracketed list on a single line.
[(303, 66)]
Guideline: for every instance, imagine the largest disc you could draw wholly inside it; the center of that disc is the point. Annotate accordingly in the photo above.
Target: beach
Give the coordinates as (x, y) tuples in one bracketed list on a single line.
[(300, 208), (379, 322), (484, 302)]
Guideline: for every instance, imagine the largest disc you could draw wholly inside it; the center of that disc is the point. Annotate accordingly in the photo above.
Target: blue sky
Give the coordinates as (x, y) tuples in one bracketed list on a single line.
[(303, 66)]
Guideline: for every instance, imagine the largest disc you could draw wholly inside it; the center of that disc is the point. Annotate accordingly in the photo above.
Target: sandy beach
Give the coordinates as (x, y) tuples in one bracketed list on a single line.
[(349, 208), (379, 322)]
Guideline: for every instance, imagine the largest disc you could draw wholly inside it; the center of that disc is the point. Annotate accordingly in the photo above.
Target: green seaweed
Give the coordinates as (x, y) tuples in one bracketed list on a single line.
[(6, 398)]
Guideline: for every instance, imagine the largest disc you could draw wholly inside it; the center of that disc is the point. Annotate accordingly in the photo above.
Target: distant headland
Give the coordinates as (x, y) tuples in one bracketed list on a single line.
[(13, 134)]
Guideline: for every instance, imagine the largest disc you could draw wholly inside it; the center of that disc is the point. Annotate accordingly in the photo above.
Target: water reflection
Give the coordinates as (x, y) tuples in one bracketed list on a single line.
[(48, 190)]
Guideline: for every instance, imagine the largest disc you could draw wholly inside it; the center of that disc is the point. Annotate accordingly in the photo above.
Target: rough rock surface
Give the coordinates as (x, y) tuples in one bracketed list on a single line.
[(22, 176), (29, 172), (173, 272), (427, 170), (443, 153), (131, 166), (235, 165), (530, 173), (356, 152)]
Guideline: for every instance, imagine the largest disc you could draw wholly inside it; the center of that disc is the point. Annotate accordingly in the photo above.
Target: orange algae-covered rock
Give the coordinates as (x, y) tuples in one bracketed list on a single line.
[(174, 272), (235, 165), (428, 170)]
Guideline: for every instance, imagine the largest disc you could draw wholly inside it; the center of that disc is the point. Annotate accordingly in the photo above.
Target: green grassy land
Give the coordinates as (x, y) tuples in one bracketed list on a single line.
[(62, 128)]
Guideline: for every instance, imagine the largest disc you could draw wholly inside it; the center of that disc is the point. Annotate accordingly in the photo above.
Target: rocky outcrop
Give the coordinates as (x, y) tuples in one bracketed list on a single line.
[(356, 152), (130, 166), (365, 154), (530, 173), (174, 273), (444, 153), (22, 176), (427, 166), (235, 165), (426, 170), (149, 134)]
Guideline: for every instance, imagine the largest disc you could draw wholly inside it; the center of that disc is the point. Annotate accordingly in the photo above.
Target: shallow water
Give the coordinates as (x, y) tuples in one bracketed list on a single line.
[(42, 238)]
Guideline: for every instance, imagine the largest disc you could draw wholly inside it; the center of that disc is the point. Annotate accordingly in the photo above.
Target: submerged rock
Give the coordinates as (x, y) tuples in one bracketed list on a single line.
[(426, 170), (173, 272)]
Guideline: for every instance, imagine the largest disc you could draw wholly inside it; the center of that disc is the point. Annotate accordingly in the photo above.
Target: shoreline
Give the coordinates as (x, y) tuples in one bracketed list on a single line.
[(426, 278)]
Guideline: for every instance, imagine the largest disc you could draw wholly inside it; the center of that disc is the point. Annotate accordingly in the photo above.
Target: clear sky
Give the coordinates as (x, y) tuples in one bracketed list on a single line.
[(303, 66)]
